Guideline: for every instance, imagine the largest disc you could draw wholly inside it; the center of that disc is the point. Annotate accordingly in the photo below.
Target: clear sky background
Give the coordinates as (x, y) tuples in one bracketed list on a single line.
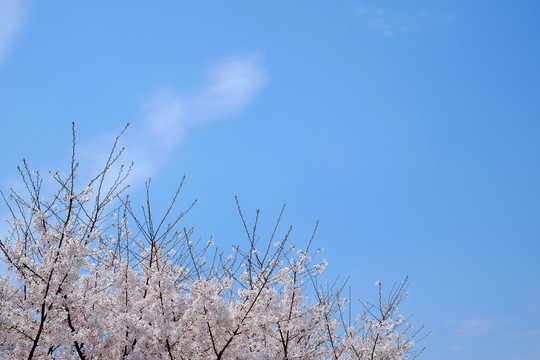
[(410, 129)]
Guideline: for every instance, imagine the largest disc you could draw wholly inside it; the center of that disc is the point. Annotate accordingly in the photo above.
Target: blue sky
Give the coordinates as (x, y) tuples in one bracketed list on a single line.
[(409, 129)]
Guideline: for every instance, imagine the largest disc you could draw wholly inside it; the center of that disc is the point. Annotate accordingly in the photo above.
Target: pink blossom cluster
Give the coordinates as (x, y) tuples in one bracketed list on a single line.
[(84, 285)]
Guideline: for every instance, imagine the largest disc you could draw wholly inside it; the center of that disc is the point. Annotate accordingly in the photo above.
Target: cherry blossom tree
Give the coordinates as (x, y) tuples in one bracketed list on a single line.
[(92, 278)]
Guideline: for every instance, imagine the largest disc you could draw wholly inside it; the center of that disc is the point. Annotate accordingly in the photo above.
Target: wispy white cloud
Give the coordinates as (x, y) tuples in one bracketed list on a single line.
[(475, 327), (388, 23), (525, 334), (377, 20), (456, 348), (13, 14), (230, 86), (166, 119)]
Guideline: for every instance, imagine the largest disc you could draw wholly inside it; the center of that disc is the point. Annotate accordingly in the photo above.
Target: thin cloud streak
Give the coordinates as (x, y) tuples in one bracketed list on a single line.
[(167, 119), (12, 19), (230, 86), (457, 348), (389, 24), (474, 327), (524, 334)]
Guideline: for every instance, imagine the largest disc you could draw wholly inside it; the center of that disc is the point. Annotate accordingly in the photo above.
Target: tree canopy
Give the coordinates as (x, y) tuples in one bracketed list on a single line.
[(91, 278)]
